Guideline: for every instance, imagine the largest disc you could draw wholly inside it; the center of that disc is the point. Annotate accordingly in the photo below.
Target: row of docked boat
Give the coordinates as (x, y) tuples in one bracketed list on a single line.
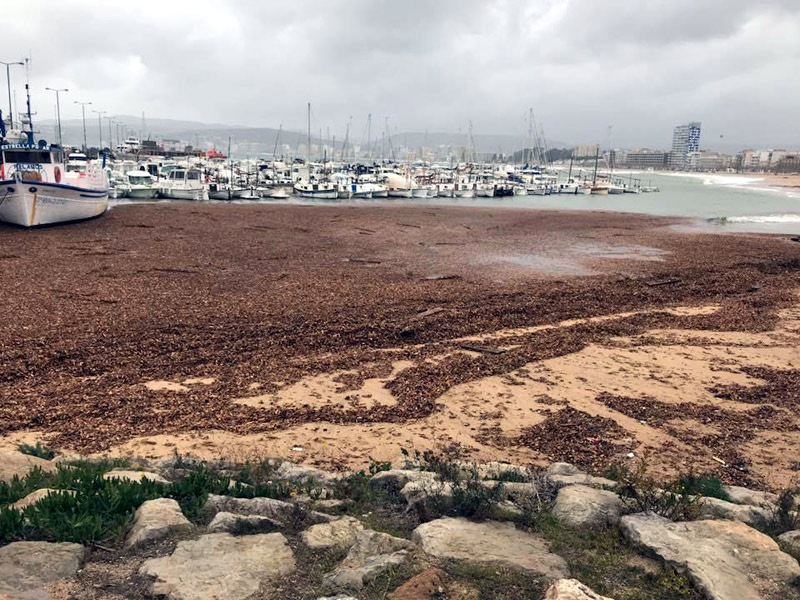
[(203, 179)]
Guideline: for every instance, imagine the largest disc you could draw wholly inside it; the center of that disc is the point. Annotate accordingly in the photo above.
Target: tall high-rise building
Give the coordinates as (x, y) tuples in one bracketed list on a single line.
[(685, 139)]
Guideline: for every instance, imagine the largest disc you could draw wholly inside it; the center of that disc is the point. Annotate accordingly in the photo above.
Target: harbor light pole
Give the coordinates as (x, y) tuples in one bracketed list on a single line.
[(110, 139), (83, 114), (58, 112), (100, 113), (8, 81)]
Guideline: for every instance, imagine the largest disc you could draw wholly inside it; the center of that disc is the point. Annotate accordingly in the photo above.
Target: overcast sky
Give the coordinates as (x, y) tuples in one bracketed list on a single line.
[(641, 66)]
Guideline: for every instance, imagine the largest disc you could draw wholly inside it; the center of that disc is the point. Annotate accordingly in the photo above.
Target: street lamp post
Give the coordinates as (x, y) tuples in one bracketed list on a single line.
[(100, 113), (58, 112), (83, 113), (110, 138), (8, 80)]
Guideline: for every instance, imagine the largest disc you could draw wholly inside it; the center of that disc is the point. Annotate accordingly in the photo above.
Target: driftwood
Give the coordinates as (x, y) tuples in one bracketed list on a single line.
[(427, 313), (366, 261), (659, 282), (440, 277), (482, 349)]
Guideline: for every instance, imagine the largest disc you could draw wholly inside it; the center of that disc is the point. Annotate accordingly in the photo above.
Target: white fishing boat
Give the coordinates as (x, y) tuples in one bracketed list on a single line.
[(183, 184), (247, 193), (139, 185), (420, 192), (445, 190), (464, 190), (36, 188), (319, 190), (278, 193), (484, 190)]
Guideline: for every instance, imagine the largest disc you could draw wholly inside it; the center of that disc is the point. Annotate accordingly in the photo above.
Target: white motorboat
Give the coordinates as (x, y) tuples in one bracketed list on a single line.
[(219, 191), (484, 190), (320, 190), (183, 184), (247, 193), (139, 185), (420, 192), (445, 190), (37, 189), (613, 188), (464, 189), (278, 193)]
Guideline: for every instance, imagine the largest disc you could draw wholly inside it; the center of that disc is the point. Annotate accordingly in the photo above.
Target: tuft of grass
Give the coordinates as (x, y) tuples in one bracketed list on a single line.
[(607, 563), (785, 517), (708, 486), (496, 581), (675, 501), (38, 450)]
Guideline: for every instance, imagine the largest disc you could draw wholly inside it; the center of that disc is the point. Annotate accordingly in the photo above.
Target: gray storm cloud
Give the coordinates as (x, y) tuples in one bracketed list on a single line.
[(639, 66)]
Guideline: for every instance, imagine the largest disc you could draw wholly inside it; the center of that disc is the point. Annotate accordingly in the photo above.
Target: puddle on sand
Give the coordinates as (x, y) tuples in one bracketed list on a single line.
[(570, 260)]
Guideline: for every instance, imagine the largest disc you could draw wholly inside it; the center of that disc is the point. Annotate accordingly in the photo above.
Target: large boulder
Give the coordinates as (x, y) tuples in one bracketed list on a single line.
[(285, 514), (714, 508), (742, 495), (290, 471), (154, 520), (396, 479), (572, 589), (340, 533), (563, 474), (219, 565), (135, 476), (791, 538), (584, 506), (489, 542), (371, 555), (19, 464), (28, 568), (34, 497), (726, 560), (225, 522)]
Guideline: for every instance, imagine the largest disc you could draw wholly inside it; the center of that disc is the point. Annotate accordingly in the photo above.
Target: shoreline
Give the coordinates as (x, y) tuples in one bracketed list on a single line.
[(249, 330)]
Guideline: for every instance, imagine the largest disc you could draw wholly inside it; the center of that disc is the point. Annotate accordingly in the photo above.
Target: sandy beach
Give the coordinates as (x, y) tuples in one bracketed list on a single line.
[(334, 334)]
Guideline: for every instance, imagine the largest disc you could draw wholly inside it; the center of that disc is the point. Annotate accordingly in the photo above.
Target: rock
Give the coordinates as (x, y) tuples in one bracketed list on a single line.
[(299, 473), (583, 506), (791, 538), (340, 533), (418, 491), (562, 468), (285, 514), (582, 479), (741, 495), (519, 493), (135, 476), (372, 554), (726, 560), (395, 479), (219, 565), (494, 470), (34, 497), (563, 474), (225, 522), (333, 503), (572, 589), (28, 568), (425, 586), (714, 508), (19, 464), (337, 597), (154, 520), (489, 542)]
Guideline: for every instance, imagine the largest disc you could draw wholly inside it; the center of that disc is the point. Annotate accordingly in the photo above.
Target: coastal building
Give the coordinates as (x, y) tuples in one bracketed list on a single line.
[(585, 150), (685, 139), (644, 158), (708, 161)]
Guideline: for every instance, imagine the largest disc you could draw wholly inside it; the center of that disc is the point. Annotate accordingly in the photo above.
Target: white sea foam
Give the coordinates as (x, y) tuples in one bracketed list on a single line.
[(787, 218)]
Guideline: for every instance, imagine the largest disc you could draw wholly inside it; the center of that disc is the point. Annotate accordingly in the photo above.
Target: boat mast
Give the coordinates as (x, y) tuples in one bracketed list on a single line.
[(369, 135), (28, 95), (308, 153)]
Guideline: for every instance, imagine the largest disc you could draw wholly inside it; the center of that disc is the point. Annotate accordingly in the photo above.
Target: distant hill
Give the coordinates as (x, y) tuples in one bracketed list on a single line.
[(259, 140)]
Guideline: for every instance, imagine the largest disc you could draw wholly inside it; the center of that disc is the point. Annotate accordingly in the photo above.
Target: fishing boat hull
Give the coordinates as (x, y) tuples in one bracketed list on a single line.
[(400, 193), (419, 193), (32, 203), (141, 193), (181, 193)]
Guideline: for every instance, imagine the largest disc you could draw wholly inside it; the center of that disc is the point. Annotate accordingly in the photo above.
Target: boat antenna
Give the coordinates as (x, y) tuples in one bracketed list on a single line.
[(277, 137)]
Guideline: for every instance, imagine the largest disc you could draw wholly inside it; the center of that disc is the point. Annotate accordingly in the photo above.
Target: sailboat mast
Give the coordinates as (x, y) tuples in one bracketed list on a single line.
[(369, 135), (308, 152)]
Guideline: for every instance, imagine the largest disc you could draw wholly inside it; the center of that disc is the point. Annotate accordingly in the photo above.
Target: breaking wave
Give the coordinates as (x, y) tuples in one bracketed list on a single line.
[(786, 218)]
